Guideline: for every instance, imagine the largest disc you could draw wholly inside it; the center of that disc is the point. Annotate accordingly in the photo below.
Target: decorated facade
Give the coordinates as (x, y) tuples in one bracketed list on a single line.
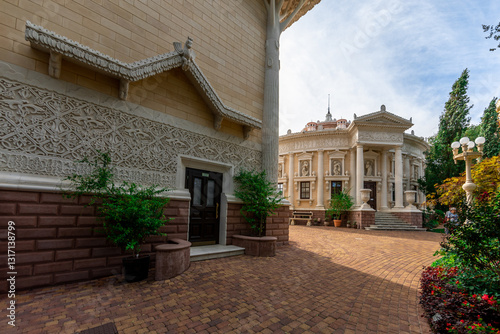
[(372, 151), (174, 91)]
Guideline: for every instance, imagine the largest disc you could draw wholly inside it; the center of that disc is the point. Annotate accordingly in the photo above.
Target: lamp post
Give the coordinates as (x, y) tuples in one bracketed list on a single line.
[(468, 154)]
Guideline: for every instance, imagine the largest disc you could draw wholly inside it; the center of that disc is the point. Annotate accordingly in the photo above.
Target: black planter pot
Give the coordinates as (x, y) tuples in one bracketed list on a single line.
[(136, 269)]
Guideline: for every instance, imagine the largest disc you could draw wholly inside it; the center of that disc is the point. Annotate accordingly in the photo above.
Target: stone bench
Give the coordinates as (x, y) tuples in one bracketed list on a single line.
[(172, 259), (306, 216)]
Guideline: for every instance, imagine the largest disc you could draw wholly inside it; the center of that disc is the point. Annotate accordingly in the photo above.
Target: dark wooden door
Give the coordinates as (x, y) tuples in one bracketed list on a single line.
[(373, 195), (204, 215)]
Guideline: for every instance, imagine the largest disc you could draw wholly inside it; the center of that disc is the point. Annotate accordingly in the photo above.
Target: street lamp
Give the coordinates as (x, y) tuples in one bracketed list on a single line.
[(468, 154)]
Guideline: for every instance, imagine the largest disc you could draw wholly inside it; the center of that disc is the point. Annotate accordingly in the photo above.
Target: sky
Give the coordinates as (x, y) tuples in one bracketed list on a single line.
[(405, 54)]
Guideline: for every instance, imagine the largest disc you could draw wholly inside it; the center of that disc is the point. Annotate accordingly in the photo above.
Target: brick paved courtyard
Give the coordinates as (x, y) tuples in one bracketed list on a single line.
[(326, 281)]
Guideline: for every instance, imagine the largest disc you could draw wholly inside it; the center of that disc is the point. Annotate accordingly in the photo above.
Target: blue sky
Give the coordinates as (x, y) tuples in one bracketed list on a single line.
[(405, 54)]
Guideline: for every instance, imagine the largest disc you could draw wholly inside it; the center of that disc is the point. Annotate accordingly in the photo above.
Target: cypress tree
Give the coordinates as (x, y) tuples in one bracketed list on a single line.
[(453, 123), (490, 130)]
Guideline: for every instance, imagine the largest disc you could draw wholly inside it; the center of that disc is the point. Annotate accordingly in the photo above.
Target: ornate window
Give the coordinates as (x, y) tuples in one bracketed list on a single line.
[(305, 190), (280, 187), (336, 187)]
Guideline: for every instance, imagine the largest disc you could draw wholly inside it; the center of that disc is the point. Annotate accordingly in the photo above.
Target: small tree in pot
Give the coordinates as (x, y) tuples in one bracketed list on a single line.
[(260, 199), (130, 213), (340, 203)]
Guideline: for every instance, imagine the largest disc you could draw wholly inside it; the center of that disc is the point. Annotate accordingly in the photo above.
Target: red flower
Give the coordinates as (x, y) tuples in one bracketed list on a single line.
[(485, 297)]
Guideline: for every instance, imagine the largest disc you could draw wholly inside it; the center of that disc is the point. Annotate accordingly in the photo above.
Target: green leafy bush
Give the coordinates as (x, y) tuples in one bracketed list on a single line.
[(432, 218), (260, 199), (475, 245), (340, 203), (130, 213)]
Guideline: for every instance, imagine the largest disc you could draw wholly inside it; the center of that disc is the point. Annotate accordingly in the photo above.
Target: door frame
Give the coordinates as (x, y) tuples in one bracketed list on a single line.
[(227, 171), (205, 176)]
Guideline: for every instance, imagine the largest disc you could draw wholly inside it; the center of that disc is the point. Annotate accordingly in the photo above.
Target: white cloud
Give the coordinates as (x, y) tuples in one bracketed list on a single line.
[(404, 54)]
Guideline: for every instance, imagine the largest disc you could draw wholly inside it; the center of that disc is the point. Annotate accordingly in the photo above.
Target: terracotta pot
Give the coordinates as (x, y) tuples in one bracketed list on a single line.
[(337, 223)]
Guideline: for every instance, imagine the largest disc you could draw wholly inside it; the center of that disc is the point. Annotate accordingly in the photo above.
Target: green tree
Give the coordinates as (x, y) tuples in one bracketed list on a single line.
[(259, 198), (493, 32), (453, 123), (490, 130)]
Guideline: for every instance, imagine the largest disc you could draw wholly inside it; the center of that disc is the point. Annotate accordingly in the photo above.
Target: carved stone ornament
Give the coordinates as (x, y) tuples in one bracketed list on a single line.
[(369, 167), (380, 136), (59, 46), (336, 167), (304, 168), (43, 132)]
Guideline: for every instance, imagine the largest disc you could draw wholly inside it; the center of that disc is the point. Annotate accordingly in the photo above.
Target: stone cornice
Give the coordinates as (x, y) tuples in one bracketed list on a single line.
[(289, 6), (417, 140), (316, 133), (60, 46)]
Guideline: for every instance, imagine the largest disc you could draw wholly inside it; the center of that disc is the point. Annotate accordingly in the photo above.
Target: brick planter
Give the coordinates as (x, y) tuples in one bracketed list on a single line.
[(172, 259), (256, 246)]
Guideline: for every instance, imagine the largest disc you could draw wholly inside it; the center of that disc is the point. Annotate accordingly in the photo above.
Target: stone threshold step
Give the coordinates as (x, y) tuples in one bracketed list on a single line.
[(201, 253), (396, 228)]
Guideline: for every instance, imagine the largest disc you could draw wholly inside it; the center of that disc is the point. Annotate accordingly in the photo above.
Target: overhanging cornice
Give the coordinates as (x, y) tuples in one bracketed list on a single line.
[(290, 5), (59, 46)]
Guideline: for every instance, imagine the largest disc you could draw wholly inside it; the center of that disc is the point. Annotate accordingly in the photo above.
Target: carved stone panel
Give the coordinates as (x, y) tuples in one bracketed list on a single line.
[(383, 137), (42, 132)]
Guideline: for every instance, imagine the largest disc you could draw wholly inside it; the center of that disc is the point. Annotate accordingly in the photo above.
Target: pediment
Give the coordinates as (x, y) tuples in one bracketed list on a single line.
[(60, 47), (383, 118)]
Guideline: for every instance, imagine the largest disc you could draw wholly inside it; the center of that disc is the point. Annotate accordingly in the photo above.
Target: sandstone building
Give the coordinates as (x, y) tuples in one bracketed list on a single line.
[(173, 89), (372, 151)]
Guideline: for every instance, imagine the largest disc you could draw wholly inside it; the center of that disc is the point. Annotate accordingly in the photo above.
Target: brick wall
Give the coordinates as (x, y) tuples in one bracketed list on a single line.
[(58, 239), (229, 39), (276, 225), (362, 218), (412, 218)]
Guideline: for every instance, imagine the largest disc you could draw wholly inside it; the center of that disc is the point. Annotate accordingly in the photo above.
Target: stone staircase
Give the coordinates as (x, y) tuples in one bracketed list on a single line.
[(387, 221)]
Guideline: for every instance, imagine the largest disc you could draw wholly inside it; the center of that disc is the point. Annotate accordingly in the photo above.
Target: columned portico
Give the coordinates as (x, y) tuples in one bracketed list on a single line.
[(359, 173), (398, 178), (373, 151)]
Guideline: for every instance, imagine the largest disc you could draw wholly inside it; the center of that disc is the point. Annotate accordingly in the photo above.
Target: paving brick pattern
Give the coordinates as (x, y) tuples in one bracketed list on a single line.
[(327, 280)]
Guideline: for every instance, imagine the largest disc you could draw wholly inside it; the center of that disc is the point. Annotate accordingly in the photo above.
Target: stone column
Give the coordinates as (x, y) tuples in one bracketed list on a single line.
[(421, 194), (291, 186), (360, 175), (320, 204), (398, 178), (383, 202), (352, 173), (407, 167)]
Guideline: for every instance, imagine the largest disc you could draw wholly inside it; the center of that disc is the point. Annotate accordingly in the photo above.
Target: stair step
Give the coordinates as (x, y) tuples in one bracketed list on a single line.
[(201, 253), (395, 228)]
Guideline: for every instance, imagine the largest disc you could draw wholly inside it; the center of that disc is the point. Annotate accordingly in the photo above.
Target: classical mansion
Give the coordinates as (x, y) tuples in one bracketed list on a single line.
[(370, 152)]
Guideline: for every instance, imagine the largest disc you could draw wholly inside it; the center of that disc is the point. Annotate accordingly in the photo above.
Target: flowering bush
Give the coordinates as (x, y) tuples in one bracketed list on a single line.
[(450, 309)]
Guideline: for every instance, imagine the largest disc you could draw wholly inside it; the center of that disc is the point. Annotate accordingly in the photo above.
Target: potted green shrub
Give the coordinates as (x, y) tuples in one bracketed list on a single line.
[(129, 212), (260, 200), (340, 203)]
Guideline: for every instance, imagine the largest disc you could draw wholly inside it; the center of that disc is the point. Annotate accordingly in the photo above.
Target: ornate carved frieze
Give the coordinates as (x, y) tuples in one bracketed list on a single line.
[(42, 132), (303, 144), (377, 137)]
